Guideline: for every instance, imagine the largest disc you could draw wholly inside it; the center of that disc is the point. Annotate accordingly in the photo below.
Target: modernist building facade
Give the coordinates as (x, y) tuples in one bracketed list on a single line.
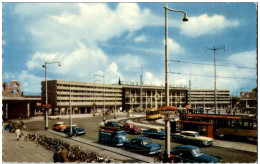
[(205, 98), (85, 97)]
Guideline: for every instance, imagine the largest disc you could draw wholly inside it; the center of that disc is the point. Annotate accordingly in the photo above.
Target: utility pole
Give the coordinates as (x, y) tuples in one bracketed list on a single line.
[(215, 80), (190, 90), (141, 90)]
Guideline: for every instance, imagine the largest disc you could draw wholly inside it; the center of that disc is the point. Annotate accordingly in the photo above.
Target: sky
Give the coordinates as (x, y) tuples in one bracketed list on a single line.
[(125, 40)]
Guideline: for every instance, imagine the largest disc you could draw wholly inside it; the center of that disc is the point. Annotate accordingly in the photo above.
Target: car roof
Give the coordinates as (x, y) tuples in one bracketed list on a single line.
[(60, 123), (111, 121), (141, 138), (189, 132), (187, 147), (128, 124)]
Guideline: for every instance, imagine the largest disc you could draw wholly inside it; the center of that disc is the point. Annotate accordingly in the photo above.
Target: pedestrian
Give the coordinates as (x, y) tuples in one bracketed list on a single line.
[(56, 155), (18, 133), (64, 154)]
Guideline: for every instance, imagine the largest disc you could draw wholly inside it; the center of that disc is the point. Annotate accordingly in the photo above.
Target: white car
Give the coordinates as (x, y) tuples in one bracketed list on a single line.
[(193, 138)]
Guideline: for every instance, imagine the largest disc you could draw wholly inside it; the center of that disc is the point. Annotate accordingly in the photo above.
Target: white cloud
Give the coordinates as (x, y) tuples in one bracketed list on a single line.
[(141, 38), (32, 85), (174, 47), (130, 62), (245, 59), (204, 24)]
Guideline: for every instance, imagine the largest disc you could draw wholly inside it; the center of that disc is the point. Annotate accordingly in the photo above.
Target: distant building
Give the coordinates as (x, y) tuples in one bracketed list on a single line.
[(16, 104), (205, 98)]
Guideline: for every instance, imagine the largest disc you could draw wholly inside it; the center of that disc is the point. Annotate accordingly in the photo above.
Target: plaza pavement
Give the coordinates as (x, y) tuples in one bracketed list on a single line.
[(22, 151)]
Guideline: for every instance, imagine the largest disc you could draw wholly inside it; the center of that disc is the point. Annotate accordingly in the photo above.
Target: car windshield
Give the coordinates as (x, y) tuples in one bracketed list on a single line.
[(197, 134), (197, 152), (146, 142)]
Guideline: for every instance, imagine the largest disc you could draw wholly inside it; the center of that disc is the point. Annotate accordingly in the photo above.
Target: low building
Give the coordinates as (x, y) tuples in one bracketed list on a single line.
[(16, 104)]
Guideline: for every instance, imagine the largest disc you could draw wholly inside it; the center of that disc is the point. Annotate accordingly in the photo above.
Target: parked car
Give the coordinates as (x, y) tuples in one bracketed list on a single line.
[(75, 130), (131, 128), (154, 133), (192, 154), (59, 126), (112, 136), (143, 145), (112, 124), (193, 138)]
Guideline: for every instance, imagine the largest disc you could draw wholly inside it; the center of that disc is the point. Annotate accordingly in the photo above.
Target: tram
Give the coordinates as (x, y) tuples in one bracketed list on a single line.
[(229, 125), (153, 114)]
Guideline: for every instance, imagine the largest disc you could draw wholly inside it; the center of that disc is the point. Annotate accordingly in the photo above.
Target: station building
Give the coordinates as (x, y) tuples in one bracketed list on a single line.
[(86, 97)]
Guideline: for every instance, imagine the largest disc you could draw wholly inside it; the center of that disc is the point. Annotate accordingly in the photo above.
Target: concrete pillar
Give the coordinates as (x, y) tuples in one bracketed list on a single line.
[(161, 99), (59, 110), (79, 110), (151, 97), (73, 111), (86, 109), (28, 109), (34, 111), (146, 100), (6, 111), (67, 111)]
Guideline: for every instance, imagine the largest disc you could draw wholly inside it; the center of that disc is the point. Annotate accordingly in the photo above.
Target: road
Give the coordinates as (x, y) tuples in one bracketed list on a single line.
[(92, 126)]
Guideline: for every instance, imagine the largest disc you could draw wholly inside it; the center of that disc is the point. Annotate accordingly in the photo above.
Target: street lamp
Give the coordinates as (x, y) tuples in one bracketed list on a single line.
[(94, 103), (46, 96), (167, 117), (103, 76)]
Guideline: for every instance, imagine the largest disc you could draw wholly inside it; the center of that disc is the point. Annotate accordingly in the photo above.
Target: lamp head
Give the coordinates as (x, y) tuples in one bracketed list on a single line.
[(185, 18)]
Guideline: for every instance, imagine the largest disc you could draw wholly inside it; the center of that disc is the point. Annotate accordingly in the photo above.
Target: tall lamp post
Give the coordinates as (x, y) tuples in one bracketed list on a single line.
[(167, 117), (103, 76), (46, 95)]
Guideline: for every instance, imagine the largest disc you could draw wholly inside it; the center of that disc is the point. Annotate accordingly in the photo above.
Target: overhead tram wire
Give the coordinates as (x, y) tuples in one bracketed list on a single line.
[(179, 61), (212, 76)]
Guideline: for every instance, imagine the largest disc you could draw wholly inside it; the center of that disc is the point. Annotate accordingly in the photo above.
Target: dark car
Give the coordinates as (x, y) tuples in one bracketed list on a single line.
[(75, 130), (131, 128), (113, 124), (154, 133), (143, 145), (193, 154)]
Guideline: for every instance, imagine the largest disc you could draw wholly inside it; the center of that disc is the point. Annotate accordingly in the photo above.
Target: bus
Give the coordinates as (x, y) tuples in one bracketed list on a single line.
[(227, 125), (153, 114)]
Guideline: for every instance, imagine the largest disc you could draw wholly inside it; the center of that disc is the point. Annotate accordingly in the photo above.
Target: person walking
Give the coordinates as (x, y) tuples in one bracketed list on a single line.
[(56, 155), (18, 133), (64, 154)]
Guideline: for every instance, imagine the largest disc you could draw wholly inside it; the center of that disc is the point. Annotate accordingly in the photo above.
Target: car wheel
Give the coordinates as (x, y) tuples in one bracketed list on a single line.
[(200, 144)]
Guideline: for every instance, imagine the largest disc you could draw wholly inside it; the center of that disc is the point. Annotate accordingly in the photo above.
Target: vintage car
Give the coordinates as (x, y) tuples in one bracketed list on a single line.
[(113, 124), (59, 126), (193, 138), (131, 128), (192, 154), (154, 133), (75, 130), (143, 145)]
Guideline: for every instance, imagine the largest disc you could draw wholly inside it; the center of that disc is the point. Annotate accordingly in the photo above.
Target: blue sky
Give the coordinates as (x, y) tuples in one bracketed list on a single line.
[(118, 39)]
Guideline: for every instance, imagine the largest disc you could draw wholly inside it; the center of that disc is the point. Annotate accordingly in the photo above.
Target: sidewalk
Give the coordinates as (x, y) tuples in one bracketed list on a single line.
[(23, 151)]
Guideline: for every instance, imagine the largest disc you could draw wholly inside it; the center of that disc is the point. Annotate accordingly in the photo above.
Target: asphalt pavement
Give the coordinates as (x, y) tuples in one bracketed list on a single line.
[(27, 151)]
